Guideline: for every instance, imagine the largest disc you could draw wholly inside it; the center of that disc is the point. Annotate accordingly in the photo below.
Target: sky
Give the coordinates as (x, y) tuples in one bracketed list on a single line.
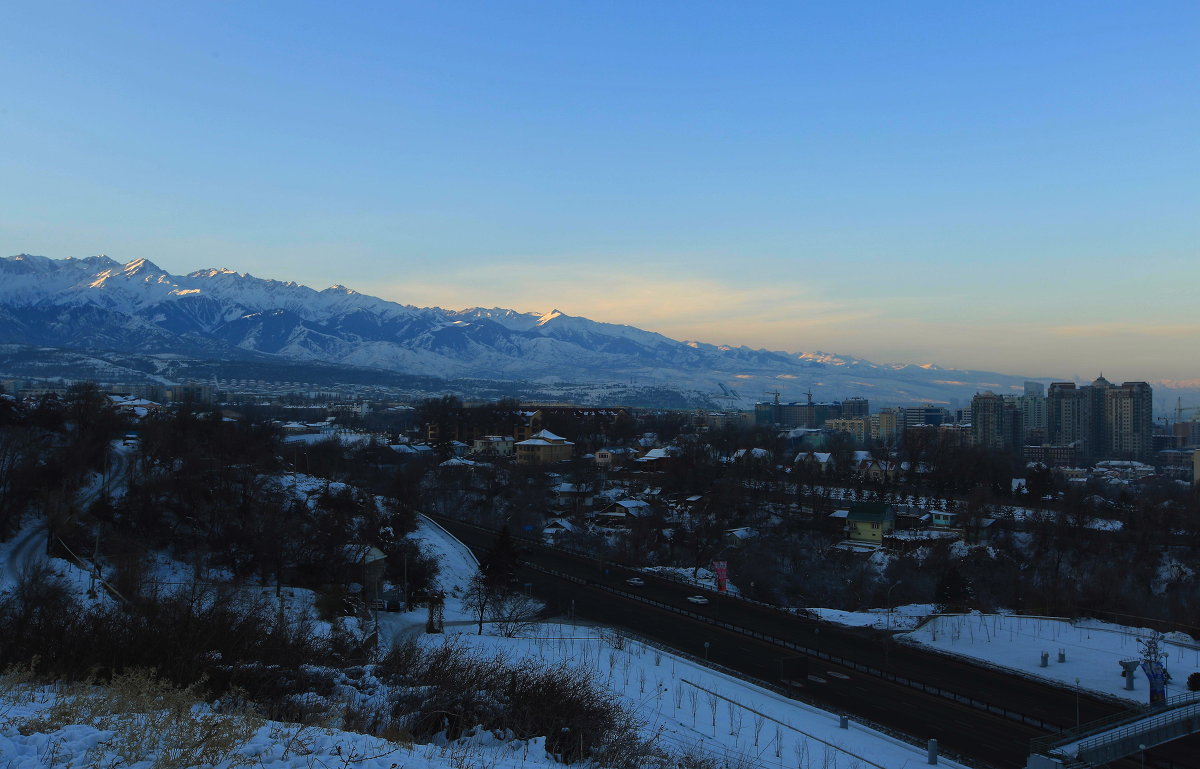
[(1008, 186)]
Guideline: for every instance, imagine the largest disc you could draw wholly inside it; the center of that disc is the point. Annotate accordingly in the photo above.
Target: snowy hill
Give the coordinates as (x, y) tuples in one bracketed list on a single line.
[(99, 305)]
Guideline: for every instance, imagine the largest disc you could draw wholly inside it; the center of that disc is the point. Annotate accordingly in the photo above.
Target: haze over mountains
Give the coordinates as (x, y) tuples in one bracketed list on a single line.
[(99, 305)]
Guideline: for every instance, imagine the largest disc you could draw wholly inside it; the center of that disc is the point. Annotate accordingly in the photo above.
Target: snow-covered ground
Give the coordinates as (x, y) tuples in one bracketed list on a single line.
[(699, 577), (685, 704), (691, 707), (1093, 649), (130, 740), (904, 617)]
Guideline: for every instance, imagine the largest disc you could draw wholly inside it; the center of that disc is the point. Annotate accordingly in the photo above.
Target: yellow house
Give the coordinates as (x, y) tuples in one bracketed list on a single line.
[(870, 522), (543, 448)]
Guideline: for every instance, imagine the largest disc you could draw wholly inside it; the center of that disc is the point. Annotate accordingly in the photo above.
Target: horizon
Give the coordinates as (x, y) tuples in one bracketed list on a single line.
[(1084, 378), (984, 188)]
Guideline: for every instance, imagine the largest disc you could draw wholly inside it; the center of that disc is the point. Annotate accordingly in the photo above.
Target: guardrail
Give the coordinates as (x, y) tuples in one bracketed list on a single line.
[(961, 699), (1048, 743), (1178, 716)]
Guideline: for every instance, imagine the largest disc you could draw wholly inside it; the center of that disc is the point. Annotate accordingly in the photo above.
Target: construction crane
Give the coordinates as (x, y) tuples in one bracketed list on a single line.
[(1180, 410), (776, 393)]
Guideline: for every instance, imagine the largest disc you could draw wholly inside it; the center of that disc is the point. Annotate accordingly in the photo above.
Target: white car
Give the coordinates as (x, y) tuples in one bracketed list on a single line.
[(635, 581), (697, 599)]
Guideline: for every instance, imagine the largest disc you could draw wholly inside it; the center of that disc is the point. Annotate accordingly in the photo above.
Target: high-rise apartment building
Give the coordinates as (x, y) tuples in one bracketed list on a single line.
[(884, 426), (1129, 419), (995, 421), (1103, 420), (856, 408)]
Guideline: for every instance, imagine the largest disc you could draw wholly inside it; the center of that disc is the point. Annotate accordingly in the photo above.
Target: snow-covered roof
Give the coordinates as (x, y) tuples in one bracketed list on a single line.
[(460, 462), (410, 448)]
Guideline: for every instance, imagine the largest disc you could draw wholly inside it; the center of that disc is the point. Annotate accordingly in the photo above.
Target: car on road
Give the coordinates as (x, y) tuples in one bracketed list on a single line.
[(697, 599), (635, 581)]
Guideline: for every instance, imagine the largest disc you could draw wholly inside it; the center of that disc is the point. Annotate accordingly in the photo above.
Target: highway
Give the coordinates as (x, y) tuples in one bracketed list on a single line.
[(773, 646)]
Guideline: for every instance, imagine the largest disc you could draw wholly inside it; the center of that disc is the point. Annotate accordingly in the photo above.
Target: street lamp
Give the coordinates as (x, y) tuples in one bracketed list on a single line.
[(706, 651), (895, 585), (1076, 702)]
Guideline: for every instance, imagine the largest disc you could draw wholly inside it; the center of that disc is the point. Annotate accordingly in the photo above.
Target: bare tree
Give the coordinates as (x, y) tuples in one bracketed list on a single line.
[(513, 612)]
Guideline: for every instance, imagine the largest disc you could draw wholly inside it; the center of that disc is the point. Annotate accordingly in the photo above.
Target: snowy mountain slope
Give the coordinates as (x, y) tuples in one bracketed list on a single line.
[(98, 304)]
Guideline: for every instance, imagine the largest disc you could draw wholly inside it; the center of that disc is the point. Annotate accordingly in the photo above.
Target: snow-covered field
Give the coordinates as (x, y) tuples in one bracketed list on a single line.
[(1093, 649), (690, 707), (904, 617)]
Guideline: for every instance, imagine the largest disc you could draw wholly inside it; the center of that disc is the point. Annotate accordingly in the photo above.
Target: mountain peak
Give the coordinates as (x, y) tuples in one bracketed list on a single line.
[(142, 267)]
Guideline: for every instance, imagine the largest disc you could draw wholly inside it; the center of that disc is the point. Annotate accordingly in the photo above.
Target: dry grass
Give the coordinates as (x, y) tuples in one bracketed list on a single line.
[(145, 717)]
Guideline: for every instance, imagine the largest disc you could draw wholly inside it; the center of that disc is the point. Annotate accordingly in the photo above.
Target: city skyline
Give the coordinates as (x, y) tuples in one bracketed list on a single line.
[(1006, 189)]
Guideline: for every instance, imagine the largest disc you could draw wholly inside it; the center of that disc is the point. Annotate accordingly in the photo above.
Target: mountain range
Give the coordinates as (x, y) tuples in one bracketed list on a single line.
[(101, 306)]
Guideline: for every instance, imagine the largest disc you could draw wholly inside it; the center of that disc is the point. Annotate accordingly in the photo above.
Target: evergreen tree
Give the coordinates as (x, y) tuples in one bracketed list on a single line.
[(499, 565)]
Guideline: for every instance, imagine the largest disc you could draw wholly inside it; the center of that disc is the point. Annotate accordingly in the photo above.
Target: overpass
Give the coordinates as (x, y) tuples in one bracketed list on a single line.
[(1124, 734)]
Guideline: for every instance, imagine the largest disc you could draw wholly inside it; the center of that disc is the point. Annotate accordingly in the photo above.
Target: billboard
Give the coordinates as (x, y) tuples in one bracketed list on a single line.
[(722, 570)]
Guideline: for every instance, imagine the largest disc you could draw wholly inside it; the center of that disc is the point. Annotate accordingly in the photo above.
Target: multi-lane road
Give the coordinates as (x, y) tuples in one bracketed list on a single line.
[(980, 713)]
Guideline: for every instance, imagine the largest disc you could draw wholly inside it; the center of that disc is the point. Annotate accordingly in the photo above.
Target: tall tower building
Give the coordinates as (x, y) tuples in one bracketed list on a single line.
[(1099, 434), (995, 421), (1063, 423), (1129, 419)]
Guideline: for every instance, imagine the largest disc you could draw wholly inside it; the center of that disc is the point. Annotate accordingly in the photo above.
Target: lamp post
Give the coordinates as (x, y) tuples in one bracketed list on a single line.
[(706, 651), (895, 585), (1077, 703), (887, 641)]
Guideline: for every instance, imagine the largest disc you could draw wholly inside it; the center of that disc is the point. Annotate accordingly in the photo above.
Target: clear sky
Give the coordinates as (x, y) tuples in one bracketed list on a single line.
[(1006, 186)]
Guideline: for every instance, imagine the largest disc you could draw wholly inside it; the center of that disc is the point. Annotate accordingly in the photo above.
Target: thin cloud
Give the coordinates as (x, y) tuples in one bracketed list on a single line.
[(1125, 328)]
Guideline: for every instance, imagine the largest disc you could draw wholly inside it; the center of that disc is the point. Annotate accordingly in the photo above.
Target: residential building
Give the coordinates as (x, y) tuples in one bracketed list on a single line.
[(1101, 419), (856, 408), (870, 522), (1129, 420), (543, 448), (995, 422), (885, 426), (857, 428), (494, 446)]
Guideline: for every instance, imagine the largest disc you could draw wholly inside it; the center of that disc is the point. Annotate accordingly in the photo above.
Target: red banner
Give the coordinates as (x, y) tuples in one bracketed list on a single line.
[(722, 570)]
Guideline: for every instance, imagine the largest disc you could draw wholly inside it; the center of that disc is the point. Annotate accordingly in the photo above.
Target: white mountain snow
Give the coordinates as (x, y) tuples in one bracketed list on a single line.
[(98, 304)]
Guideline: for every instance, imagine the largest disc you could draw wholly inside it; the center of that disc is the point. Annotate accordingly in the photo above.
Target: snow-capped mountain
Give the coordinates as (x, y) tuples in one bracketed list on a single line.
[(99, 304)]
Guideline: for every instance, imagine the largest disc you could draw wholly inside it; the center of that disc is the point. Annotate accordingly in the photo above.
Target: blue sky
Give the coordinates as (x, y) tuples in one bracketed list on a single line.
[(1001, 186)]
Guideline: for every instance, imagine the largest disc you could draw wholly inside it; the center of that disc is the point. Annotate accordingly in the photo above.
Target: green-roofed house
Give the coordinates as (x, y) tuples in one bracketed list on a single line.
[(870, 522)]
